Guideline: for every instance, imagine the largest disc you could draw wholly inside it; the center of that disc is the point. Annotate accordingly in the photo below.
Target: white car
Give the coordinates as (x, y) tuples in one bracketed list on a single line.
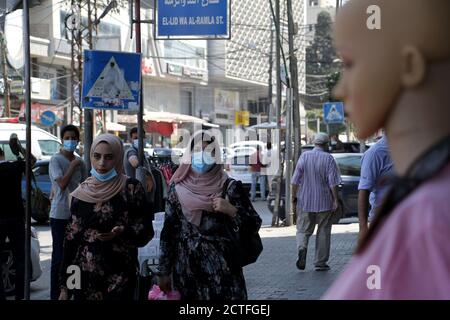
[(7, 264), (238, 164), (43, 144)]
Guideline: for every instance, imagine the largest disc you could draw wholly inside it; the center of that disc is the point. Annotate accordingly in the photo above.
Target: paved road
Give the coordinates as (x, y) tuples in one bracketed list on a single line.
[(273, 276)]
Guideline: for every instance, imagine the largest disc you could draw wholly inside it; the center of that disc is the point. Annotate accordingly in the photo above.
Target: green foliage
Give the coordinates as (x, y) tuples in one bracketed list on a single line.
[(320, 57)]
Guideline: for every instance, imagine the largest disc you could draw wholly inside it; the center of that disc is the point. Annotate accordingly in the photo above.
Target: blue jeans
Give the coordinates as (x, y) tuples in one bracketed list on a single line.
[(58, 227), (262, 185)]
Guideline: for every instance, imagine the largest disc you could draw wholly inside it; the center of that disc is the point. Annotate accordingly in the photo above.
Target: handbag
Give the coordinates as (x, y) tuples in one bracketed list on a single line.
[(246, 245)]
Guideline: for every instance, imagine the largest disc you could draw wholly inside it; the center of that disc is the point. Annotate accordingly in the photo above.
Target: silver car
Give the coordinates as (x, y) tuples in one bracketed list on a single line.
[(7, 264)]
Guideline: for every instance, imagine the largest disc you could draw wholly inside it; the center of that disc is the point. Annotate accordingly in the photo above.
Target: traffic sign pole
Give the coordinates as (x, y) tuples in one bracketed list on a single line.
[(141, 102)]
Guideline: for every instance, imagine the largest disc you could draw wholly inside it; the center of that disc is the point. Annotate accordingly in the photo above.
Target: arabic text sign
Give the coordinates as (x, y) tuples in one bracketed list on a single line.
[(111, 80), (190, 18)]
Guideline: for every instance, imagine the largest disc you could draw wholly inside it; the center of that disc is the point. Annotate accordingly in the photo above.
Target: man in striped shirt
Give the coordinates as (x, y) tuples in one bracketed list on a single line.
[(315, 184)]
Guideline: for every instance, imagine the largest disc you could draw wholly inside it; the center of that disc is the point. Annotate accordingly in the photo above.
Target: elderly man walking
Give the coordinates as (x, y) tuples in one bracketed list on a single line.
[(315, 184)]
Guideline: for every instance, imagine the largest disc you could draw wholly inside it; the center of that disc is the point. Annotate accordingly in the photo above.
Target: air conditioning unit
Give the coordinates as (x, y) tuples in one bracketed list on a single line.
[(40, 89)]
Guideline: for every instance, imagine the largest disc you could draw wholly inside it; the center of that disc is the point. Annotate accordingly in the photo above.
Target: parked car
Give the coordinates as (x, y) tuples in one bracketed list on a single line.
[(43, 144), (41, 174), (238, 164), (8, 271), (350, 167), (350, 147)]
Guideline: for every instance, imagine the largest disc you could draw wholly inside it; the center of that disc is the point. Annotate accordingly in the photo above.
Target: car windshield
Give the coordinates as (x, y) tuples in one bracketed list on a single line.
[(49, 147), (349, 165)]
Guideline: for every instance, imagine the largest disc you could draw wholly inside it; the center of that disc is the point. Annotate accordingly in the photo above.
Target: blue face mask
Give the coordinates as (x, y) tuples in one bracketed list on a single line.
[(105, 176), (70, 145), (202, 162), (136, 143)]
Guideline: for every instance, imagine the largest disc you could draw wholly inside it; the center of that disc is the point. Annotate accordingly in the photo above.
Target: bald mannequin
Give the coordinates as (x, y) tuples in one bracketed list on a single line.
[(397, 77)]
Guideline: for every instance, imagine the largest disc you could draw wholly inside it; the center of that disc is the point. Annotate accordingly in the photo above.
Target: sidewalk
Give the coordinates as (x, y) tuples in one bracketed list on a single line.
[(275, 276)]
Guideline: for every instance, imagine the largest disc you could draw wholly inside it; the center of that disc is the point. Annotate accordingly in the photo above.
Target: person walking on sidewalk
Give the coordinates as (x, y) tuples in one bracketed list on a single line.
[(257, 175), (202, 205), (315, 184), (376, 173), (110, 219), (66, 171)]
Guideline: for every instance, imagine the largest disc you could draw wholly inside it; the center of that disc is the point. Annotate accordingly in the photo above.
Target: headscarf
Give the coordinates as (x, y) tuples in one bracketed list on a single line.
[(95, 191), (196, 191)]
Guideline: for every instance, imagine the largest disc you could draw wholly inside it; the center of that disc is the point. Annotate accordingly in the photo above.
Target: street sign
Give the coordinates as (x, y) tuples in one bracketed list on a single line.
[(242, 118), (111, 80), (333, 113), (192, 18), (48, 118)]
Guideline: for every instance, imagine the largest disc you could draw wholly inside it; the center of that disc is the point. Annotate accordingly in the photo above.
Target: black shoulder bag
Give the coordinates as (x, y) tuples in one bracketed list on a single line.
[(247, 245)]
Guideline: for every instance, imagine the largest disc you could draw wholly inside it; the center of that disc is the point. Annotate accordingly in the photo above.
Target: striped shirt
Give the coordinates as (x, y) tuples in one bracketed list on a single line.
[(315, 174)]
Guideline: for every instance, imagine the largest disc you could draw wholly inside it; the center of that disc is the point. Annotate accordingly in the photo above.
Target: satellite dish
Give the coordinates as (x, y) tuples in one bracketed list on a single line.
[(14, 38)]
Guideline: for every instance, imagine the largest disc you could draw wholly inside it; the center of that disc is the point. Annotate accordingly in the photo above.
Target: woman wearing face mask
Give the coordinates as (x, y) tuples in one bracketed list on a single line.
[(109, 220), (195, 250)]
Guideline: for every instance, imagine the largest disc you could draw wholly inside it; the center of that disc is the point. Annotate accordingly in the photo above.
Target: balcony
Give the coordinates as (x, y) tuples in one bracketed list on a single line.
[(40, 89)]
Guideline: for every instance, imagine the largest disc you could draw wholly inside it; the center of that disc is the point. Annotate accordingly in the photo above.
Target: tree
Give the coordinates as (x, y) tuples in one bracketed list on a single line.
[(320, 59)]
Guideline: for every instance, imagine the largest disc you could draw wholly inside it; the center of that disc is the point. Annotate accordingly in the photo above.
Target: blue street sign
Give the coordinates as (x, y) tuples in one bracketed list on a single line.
[(48, 118), (333, 113), (193, 18), (111, 80)]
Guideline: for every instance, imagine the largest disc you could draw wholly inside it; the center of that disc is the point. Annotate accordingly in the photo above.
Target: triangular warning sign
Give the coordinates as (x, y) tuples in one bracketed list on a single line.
[(333, 114), (111, 83)]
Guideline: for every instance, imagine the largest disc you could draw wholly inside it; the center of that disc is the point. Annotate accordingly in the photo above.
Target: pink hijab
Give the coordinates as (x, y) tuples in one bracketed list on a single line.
[(94, 191), (196, 191)]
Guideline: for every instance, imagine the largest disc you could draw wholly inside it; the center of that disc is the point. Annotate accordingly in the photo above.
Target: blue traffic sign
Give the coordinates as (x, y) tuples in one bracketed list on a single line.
[(111, 80), (333, 113), (48, 118), (193, 18)]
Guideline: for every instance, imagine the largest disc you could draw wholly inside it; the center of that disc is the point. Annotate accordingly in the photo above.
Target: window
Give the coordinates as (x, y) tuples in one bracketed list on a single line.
[(349, 165), (49, 147), (181, 53), (9, 156)]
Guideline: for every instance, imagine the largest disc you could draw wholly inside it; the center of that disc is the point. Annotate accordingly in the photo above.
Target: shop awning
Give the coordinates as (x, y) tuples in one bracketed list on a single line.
[(112, 126), (170, 117)]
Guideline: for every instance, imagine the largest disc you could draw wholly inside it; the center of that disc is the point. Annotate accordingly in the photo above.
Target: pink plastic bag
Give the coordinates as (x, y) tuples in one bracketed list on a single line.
[(157, 294)]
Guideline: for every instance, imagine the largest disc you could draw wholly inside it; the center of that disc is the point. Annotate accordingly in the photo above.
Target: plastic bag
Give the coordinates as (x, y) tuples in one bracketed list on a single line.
[(157, 294)]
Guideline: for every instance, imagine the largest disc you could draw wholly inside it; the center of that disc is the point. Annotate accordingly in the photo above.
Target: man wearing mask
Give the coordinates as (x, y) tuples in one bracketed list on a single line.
[(131, 167), (12, 214), (66, 171)]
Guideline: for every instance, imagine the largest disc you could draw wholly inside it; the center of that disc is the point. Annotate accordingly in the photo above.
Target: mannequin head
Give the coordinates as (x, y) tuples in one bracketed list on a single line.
[(380, 66)]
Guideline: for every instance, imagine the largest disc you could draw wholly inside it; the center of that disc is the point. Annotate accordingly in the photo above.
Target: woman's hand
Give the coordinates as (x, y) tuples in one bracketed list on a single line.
[(165, 284), (116, 231), (224, 206), (64, 294)]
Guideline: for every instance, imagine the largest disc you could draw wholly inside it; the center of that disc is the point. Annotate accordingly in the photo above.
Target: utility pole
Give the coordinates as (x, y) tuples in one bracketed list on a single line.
[(88, 113), (28, 171), (293, 114), (141, 102), (279, 175), (270, 94), (6, 90)]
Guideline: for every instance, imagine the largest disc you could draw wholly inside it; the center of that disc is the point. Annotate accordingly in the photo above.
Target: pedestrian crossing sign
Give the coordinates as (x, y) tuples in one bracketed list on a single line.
[(111, 80), (333, 113)]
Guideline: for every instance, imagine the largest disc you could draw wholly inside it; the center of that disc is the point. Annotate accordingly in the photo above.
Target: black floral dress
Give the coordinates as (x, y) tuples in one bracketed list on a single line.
[(108, 268), (200, 258)]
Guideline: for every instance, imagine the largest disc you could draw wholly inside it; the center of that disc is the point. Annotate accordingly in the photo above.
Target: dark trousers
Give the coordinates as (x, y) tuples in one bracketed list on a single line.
[(58, 227), (15, 231)]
